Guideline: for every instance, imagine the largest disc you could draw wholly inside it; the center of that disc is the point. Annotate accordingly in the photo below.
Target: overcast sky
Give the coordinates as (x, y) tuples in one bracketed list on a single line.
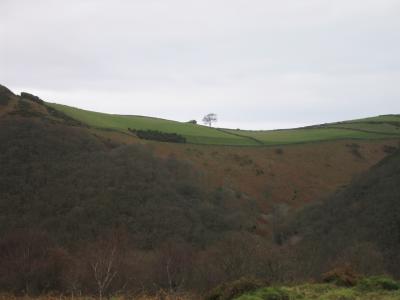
[(258, 64)]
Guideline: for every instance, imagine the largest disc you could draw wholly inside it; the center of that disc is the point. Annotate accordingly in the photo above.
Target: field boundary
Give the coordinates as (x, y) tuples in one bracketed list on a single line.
[(243, 136)]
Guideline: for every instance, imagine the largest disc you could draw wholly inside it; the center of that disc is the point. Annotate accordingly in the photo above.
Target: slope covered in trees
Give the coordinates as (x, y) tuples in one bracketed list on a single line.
[(65, 180), (69, 197), (358, 225)]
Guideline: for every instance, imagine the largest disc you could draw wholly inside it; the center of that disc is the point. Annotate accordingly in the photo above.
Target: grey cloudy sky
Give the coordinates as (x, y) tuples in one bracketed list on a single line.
[(256, 63)]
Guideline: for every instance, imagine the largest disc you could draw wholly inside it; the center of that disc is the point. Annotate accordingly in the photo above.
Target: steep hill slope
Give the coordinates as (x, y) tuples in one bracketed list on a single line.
[(359, 224), (57, 176), (284, 177)]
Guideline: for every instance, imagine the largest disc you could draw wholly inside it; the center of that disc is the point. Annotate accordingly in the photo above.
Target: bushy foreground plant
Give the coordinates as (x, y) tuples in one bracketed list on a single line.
[(268, 293), (342, 276), (234, 289), (340, 294), (378, 283)]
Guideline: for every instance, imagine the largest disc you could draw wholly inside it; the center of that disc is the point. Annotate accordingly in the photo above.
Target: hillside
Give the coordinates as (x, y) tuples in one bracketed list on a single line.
[(381, 127), (57, 176), (358, 225), (281, 176), (173, 213)]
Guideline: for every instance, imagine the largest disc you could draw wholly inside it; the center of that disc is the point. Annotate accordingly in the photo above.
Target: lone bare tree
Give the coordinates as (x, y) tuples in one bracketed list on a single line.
[(209, 119), (104, 270), (105, 258)]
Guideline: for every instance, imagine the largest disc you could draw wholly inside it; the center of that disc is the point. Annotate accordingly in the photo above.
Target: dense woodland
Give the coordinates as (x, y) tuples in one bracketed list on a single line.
[(80, 214)]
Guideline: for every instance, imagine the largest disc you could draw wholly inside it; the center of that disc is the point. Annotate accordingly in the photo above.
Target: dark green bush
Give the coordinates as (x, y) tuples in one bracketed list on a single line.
[(234, 289), (31, 97), (4, 95), (378, 283)]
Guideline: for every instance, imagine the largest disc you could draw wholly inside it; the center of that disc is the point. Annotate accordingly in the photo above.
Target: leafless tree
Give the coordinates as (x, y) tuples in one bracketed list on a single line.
[(105, 259), (104, 271), (209, 119), (175, 260)]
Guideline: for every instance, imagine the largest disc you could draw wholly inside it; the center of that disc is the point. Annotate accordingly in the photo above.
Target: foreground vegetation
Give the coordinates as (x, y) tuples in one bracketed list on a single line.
[(336, 287), (248, 290), (369, 128), (319, 292)]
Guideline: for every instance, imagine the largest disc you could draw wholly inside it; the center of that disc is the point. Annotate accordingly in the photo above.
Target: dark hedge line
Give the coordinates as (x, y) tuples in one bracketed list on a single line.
[(159, 136)]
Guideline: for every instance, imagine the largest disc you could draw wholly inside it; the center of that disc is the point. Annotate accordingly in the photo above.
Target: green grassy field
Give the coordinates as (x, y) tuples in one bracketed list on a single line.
[(290, 136), (383, 118), (369, 128), (194, 133)]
